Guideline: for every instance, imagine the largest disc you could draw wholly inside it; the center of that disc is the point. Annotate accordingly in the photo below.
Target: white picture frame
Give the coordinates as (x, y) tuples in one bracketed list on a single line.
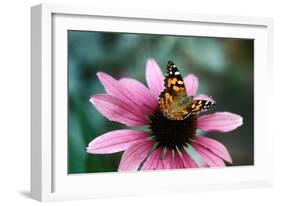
[(49, 178)]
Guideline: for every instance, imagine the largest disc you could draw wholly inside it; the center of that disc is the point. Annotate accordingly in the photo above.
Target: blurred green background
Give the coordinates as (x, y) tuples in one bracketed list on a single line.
[(224, 66)]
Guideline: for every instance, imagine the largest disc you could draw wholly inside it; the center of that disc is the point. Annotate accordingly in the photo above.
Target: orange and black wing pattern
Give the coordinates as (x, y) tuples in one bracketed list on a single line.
[(173, 99), (200, 105), (174, 102)]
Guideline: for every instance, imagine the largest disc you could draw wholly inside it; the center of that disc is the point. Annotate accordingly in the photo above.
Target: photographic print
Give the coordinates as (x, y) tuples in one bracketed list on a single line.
[(155, 102)]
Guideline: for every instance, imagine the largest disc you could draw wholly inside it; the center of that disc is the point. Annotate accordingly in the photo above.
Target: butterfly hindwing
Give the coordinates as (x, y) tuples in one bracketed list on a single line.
[(199, 105)]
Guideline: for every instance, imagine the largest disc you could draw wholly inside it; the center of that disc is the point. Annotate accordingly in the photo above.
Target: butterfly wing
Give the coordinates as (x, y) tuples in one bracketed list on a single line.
[(173, 100), (199, 105)]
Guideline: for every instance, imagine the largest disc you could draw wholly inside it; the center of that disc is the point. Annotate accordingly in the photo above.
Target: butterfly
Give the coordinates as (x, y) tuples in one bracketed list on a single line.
[(174, 102)]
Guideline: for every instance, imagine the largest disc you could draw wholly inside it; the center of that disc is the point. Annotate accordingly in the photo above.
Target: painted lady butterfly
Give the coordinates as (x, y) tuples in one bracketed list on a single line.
[(174, 102)]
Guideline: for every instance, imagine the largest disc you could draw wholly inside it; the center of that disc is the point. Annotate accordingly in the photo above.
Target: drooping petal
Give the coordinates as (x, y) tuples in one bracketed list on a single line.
[(142, 94), (191, 84), (116, 110), (219, 121), (194, 155), (115, 141), (188, 162), (178, 161), (134, 155), (210, 158), (168, 161), (120, 91), (215, 147), (154, 161), (172, 160), (154, 78)]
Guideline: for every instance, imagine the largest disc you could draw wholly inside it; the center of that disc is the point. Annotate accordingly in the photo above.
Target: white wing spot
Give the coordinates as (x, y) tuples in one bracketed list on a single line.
[(177, 73)]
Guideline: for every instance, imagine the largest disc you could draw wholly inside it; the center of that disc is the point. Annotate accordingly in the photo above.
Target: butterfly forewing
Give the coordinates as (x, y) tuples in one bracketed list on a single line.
[(173, 79), (173, 100)]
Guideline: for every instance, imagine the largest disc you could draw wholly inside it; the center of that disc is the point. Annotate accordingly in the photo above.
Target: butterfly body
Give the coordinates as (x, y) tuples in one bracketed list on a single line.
[(174, 102)]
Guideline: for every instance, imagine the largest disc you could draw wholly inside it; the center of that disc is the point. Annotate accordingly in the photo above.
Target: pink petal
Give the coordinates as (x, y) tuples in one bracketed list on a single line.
[(134, 155), (154, 78), (178, 161), (191, 84), (210, 158), (219, 121), (188, 162), (168, 161), (142, 94), (215, 147), (115, 141), (120, 91), (154, 161), (172, 161), (160, 165), (204, 97), (116, 110), (110, 84)]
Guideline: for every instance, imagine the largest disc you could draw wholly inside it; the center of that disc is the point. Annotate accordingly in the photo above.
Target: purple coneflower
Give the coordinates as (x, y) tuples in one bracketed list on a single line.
[(167, 144)]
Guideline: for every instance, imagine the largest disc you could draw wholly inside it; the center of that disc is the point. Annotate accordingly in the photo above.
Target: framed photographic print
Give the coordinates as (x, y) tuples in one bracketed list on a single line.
[(137, 102)]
